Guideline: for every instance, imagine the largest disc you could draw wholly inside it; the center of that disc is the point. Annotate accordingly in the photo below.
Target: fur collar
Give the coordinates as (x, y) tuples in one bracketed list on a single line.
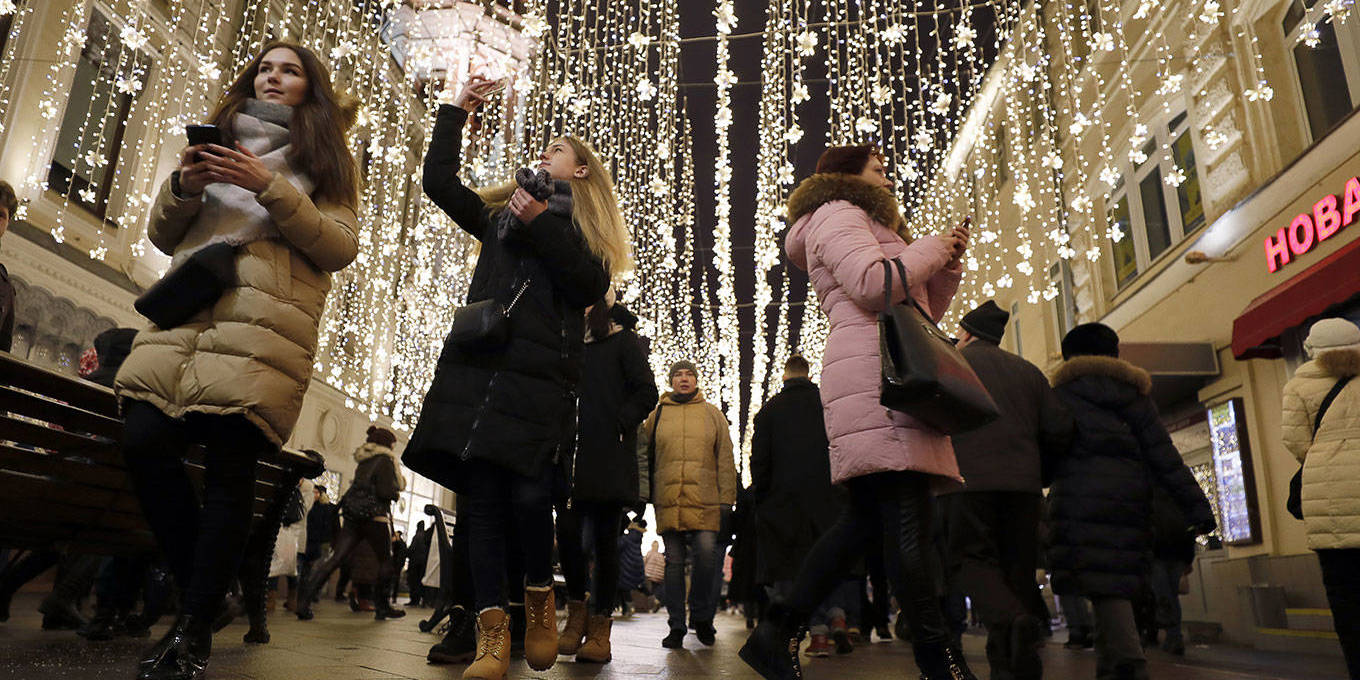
[(1109, 367), (1344, 363), (823, 188)]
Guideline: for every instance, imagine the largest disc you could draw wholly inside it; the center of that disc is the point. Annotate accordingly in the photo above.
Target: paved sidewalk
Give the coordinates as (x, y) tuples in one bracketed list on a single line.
[(339, 645)]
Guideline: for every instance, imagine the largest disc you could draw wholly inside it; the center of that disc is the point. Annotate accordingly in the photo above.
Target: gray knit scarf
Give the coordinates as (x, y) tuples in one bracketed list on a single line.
[(540, 185)]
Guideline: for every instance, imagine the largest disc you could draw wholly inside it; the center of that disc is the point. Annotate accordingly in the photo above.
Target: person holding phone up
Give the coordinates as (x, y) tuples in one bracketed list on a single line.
[(501, 409), (277, 201), (846, 222)]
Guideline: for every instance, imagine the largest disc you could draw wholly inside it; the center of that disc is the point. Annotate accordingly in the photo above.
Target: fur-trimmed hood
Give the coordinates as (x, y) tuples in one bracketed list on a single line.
[(823, 188), (1344, 363), (1105, 367), (369, 450)]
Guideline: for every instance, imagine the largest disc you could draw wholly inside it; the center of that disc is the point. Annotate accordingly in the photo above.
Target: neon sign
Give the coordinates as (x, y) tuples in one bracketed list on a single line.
[(1309, 229)]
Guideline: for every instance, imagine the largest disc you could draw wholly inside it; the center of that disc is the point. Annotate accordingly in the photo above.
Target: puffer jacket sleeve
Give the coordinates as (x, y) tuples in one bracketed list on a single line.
[(851, 253), (1296, 426), (1167, 466), (638, 383), (941, 288), (326, 233), (170, 218), (575, 272), (439, 177), (727, 468)]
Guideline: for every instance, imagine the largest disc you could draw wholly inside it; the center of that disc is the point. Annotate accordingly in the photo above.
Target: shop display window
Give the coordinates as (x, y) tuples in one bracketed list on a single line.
[(1238, 516)]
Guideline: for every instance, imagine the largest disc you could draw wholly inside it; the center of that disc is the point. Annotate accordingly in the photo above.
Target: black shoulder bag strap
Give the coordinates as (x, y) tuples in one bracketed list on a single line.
[(1294, 503)]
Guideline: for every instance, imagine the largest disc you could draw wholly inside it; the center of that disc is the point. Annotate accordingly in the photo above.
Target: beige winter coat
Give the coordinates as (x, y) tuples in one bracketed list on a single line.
[(1331, 460), (695, 475), (251, 353)]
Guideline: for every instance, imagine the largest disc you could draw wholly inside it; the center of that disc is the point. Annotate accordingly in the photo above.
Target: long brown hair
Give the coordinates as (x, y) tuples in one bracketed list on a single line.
[(317, 131)]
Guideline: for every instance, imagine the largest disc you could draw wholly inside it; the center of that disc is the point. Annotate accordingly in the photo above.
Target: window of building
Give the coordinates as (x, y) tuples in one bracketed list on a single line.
[(1148, 216), (6, 23), (92, 127), (1329, 72)]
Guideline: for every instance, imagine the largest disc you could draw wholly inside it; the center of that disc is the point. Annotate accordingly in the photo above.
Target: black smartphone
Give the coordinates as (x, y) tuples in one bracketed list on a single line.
[(203, 134)]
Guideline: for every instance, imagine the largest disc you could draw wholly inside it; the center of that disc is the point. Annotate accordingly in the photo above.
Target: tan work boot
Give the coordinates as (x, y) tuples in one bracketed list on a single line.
[(493, 647), (540, 632), (575, 629), (596, 647)]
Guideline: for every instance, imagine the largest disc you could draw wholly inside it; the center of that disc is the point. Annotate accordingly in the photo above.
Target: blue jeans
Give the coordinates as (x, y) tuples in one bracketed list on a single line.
[(681, 546)]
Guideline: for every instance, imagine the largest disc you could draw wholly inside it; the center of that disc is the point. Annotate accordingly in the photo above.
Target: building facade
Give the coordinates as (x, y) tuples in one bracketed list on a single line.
[(1184, 172)]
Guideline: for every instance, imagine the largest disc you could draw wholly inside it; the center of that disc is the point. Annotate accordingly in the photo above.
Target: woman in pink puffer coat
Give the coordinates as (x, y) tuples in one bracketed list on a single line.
[(846, 223)]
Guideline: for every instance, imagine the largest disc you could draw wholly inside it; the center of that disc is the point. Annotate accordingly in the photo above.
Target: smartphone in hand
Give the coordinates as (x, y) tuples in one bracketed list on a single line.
[(203, 134)]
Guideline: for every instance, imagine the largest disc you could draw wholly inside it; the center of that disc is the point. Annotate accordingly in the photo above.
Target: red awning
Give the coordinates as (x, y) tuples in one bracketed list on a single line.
[(1306, 295)]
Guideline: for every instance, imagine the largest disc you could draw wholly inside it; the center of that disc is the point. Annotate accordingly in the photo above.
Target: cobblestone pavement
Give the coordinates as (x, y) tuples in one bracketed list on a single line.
[(339, 645)]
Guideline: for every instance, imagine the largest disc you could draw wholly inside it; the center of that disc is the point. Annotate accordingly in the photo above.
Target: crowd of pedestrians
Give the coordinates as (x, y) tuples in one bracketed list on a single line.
[(545, 420)]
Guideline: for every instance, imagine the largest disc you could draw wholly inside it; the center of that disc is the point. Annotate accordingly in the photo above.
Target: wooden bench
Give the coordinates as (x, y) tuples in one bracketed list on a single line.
[(64, 485)]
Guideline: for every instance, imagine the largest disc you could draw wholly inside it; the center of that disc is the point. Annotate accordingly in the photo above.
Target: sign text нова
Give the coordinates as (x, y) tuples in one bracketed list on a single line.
[(1329, 216)]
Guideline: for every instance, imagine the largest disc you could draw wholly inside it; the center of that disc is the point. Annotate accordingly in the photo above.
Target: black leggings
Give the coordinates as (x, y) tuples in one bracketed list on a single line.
[(203, 544), (896, 506), (604, 520), (379, 538), (500, 507)]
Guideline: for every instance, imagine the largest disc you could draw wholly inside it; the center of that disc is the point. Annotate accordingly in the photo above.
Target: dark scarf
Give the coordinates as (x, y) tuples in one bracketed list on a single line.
[(683, 398), (540, 185)]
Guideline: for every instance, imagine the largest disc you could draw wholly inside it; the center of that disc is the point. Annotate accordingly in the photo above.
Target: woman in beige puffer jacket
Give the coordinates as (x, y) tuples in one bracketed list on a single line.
[(281, 190), (1331, 468)]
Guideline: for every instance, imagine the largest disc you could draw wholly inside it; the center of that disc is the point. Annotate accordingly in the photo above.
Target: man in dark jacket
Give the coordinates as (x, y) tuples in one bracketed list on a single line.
[(1100, 503), (795, 500), (417, 559), (992, 523)]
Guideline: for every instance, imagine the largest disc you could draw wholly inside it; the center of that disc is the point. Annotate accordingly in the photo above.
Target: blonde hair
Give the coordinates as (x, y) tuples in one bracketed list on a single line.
[(594, 208)]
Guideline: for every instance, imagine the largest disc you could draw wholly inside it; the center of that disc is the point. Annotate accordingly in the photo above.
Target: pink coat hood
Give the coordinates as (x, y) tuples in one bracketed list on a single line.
[(840, 236)]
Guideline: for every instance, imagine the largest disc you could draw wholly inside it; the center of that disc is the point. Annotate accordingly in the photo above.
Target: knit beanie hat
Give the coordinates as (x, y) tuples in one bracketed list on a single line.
[(988, 322), (1331, 334), (381, 436), (1091, 339), (681, 365)]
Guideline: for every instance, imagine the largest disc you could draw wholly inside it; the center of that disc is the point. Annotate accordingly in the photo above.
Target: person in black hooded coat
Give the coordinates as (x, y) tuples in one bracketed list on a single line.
[(617, 390), (1100, 503), (495, 420)]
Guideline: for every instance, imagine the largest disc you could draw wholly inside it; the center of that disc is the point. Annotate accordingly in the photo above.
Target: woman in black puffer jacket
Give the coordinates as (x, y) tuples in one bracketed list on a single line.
[(1100, 505), (496, 418)]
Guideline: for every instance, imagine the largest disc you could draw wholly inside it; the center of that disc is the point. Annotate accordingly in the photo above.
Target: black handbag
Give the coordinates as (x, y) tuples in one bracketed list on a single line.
[(1294, 503), (191, 287), (924, 375), (361, 502), (484, 326)]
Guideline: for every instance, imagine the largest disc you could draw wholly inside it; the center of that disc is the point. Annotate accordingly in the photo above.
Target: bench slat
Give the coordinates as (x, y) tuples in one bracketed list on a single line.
[(34, 434), (81, 393), (53, 411), (59, 467)]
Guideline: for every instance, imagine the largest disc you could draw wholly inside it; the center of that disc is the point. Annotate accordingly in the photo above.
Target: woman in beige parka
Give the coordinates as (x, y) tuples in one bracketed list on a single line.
[(1331, 467), (282, 189)]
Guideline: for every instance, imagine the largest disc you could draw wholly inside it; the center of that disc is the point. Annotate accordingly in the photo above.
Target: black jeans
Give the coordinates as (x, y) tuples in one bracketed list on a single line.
[(377, 534), (203, 545), (599, 522), (495, 498), (896, 506), (993, 539), (1341, 577)]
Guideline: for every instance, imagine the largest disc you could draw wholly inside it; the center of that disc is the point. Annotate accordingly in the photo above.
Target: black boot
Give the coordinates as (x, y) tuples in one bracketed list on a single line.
[(61, 614), (382, 607), (182, 654), (107, 624), (772, 649), (941, 661), (518, 625), (460, 643), (232, 607), (307, 590)]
